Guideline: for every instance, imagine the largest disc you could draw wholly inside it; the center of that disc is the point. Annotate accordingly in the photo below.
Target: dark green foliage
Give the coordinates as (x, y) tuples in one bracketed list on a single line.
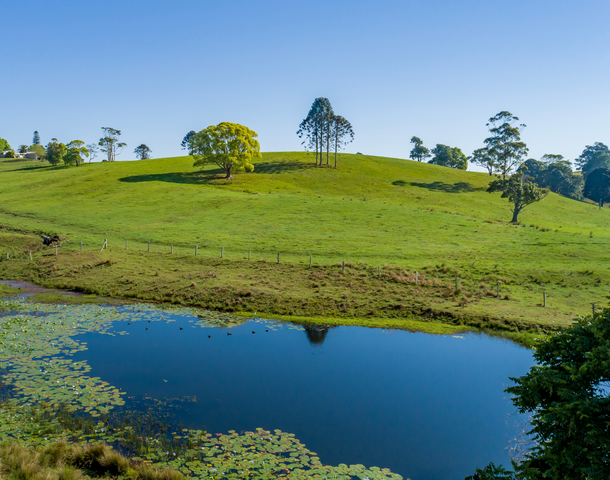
[(557, 176), (186, 142), (485, 158), (341, 133), (597, 186), (143, 152), (593, 157), (519, 191), (567, 396), (491, 472), (316, 128), (55, 152), (451, 157), (418, 152), (36, 138)]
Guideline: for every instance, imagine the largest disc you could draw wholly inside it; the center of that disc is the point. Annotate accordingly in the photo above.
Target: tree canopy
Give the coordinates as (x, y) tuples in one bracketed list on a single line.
[(55, 152), (142, 152), (519, 191), (341, 133), (230, 146), (597, 186), (75, 150), (36, 138), (594, 156), (555, 173), (504, 144), (315, 129), (4, 145), (451, 157), (418, 152), (39, 151), (483, 157), (110, 144), (567, 396)]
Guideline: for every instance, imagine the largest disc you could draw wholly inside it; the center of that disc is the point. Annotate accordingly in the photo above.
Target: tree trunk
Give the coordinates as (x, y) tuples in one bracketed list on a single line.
[(228, 172), (335, 155)]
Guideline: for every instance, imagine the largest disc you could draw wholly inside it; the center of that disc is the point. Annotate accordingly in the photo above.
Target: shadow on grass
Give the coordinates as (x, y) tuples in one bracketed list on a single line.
[(459, 187), (216, 175)]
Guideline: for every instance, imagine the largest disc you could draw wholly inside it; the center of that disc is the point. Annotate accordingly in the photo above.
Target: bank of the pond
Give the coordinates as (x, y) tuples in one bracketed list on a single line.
[(356, 294)]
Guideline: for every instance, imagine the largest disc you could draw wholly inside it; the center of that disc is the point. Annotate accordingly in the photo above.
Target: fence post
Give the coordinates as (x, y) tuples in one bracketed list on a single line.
[(278, 258), (456, 286), (593, 308), (149, 245), (172, 248), (55, 251), (416, 277), (7, 257), (125, 244), (248, 254), (222, 252), (343, 266), (310, 261), (196, 246), (81, 246), (498, 289), (544, 299), (31, 259), (379, 271)]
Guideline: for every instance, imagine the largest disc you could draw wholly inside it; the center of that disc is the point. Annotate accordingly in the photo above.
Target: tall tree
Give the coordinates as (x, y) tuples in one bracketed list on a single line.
[(555, 173), (316, 128), (75, 150), (230, 146), (110, 143), (142, 152), (22, 149), (451, 157), (593, 156), (505, 141), (55, 152), (36, 138), (341, 133), (519, 191), (418, 152), (93, 150), (597, 186), (483, 157), (186, 142)]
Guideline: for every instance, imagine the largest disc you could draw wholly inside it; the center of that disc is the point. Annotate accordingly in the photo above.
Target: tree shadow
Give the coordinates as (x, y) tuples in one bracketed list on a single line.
[(214, 176), (217, 175), (459, 187)]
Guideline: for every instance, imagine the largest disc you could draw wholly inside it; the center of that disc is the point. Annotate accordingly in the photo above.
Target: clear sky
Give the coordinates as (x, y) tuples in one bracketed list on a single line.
[(437, 69)]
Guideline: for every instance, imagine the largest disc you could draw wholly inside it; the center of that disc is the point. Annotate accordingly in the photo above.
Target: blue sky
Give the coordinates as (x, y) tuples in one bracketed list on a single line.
[(435, 69)]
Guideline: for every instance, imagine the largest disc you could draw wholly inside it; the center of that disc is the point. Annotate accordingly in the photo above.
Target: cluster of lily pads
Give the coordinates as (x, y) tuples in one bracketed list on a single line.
[(50, 397)]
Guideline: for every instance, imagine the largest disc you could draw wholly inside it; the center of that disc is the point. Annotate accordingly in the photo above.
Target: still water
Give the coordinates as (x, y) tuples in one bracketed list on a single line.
[(425, 406)]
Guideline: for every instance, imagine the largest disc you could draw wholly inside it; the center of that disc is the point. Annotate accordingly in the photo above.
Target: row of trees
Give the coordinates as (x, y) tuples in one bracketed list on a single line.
[(323, 130), (75, 152)]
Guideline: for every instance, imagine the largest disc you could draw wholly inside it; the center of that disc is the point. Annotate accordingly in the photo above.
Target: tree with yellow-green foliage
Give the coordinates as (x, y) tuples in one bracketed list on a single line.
[(230, 146)]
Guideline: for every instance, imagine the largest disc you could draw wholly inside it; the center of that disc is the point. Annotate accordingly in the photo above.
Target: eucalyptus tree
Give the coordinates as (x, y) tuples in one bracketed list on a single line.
[(230, 146), (341, 133), (418, 152), (597, 186), (93, 151), (519, 191), (316, 128), (486, 158), (505, 142), (55, 152), (75, 150), (110, 143), (142, 152)]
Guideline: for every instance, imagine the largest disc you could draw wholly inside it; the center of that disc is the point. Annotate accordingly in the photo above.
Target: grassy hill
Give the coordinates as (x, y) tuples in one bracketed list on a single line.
[(371, 212)]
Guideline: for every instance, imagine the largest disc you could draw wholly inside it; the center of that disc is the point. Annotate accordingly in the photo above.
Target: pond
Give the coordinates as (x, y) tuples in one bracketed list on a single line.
[(423, 406)]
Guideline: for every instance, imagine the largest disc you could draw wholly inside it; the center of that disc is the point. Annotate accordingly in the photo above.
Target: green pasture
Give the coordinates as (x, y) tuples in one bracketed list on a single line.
[(371, 211)]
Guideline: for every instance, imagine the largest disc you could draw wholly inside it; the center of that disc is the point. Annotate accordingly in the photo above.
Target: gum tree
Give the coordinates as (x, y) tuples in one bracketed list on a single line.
[(110, 144), (75, 150), (142, 152), (230, 146), (505, 142), (519, 191), (418, 152)]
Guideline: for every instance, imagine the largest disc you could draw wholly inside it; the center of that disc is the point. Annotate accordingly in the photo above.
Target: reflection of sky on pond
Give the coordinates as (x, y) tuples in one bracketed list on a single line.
[(427, 407)]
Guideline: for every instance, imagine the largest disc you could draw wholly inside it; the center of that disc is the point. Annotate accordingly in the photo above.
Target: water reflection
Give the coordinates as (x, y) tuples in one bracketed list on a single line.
[(316, 334)]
